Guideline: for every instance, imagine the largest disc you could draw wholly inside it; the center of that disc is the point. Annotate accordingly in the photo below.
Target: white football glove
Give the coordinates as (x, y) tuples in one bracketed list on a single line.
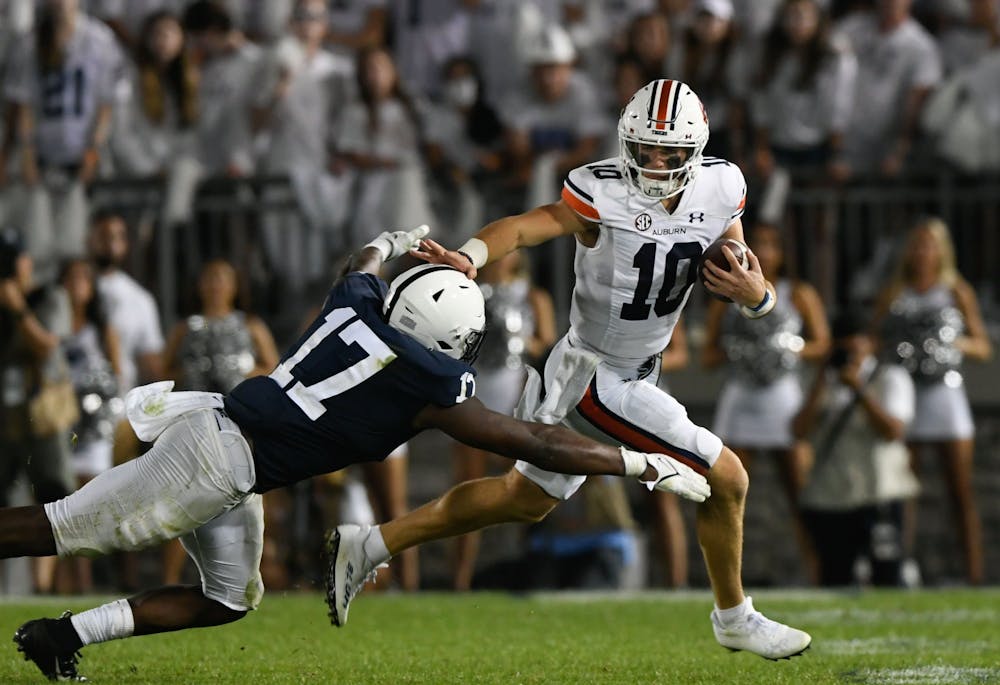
[(680, 479), (394, 244)]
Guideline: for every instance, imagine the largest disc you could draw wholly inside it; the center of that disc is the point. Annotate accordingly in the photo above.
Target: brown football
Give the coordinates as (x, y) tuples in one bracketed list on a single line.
[(713, 253)]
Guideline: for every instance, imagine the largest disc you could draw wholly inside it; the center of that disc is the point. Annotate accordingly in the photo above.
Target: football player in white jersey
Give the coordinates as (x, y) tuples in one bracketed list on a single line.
[(641, 222)]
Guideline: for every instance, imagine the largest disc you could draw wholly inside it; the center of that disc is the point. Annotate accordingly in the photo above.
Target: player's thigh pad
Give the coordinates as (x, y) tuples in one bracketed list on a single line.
[(227, 551), (194, 472), (619, 410)]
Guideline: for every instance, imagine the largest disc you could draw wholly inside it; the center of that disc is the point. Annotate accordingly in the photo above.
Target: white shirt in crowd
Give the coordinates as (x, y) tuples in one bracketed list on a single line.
[(556, 124), (133, 313), (300, 130), (802, 118), (427, 34), (890, 66), (228, 83), (861, 467), (66, 100)]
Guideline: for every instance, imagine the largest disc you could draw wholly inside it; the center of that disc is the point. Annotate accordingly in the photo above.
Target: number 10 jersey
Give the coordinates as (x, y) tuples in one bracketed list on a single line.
[(632, 285)]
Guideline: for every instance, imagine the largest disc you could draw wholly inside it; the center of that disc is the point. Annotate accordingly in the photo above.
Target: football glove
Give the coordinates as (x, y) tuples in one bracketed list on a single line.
[(394, 244), (673, 476)]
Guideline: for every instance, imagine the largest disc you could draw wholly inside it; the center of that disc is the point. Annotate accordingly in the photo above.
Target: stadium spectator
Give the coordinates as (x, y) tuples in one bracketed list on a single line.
[(425, 35), (202, 479), (649, 45), (92, 351), (555, 125), (464, 149), (930, 321), (127, 18), (522, 326), (156, 116), (969, 37), (856, 417), (764, 358), (37, 403), (599, 30), (898, 66), (708, 58), (356, 24), (301, 93), (803, 94), (600, 377), (214, 351), (60, 86), (380, 141)]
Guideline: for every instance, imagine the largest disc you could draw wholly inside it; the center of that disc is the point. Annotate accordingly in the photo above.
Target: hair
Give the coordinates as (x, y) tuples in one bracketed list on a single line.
[(695, 52), (777, 45), (397, 92), (178, 80), (482, 124), (102, 214), (206, 15), (947, 275), (95, 311), (49, 53)]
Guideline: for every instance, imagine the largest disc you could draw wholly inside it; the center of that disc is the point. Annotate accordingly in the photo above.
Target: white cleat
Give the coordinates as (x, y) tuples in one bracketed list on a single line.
[(348, 568), (756, 633)]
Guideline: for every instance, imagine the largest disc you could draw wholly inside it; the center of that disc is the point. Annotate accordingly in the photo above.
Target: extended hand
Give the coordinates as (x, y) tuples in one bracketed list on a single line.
[(673, 476), (394, 244), (742, 286), (432, 252)]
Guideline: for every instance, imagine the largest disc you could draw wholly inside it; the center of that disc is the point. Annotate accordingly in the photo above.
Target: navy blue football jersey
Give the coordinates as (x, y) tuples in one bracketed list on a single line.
[(347, 392)]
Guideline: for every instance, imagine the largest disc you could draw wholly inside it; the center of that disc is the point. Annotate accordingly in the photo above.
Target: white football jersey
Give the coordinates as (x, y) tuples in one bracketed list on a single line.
[(632, 285)]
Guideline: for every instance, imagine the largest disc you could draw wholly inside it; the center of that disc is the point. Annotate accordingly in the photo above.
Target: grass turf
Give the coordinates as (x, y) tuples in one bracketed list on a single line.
[(893, 638)]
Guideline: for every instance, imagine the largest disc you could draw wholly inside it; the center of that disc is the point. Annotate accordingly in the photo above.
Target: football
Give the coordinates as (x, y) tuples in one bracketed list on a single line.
[(713, 253)]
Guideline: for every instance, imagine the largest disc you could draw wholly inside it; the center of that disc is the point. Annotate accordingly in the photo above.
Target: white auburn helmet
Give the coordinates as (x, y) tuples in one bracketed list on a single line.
[(440, 307), (665, 113)]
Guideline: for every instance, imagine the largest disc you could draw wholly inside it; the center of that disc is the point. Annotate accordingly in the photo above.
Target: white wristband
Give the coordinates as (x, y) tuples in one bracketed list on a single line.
[(477, 251), (383, 246), (762, 309), (635, 462)]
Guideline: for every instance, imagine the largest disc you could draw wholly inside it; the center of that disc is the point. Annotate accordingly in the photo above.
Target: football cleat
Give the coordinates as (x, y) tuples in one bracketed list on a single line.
[(348, 568), (36, 640), (758, 634)]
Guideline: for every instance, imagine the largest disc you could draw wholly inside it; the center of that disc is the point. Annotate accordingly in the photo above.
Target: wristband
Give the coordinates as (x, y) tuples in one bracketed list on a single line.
[(762, 309), (476, 251)]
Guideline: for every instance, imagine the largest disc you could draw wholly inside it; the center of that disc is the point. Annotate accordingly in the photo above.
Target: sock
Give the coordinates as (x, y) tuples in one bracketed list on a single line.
[(111, 621), (733, 614), (375, 546)]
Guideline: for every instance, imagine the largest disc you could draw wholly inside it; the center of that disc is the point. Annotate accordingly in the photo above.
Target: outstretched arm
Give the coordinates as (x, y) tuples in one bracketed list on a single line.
[(557, 449), (503, 236), (385, 248)]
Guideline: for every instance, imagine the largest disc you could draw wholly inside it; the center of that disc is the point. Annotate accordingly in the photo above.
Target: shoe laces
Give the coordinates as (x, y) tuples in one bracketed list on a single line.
[(370, 577)]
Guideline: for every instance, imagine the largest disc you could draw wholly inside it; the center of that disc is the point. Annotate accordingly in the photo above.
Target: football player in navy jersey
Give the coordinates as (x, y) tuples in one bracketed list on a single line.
[(378, 365)]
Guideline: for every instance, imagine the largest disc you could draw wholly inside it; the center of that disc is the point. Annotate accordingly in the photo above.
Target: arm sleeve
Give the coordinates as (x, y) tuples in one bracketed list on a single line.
[(578, 193)]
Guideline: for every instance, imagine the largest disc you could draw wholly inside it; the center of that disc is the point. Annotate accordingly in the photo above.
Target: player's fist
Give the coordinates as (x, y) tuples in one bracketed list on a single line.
[(680, 479), (393, 244)]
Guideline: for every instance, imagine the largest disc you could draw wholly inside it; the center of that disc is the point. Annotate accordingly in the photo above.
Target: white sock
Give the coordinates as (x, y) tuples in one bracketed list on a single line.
[(109, 622), (375, 546), (733, 614)]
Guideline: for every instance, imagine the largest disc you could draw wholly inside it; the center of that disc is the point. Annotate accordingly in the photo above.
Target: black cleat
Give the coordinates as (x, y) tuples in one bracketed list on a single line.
[(36, 640)]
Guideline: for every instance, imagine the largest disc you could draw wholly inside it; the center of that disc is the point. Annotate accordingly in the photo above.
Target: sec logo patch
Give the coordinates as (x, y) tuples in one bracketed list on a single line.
[(643, 222)]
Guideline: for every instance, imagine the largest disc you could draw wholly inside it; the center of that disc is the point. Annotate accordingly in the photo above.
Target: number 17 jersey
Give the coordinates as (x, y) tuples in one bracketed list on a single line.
[(632, 285)]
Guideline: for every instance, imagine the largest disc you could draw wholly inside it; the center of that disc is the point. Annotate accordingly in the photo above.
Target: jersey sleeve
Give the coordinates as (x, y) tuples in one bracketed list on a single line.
[(732, 192), (578, 193), (445, 391), (357, 288)]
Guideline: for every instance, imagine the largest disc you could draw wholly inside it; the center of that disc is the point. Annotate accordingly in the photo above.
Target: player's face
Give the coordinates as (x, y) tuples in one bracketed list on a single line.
[(801, 21), (659, 157)]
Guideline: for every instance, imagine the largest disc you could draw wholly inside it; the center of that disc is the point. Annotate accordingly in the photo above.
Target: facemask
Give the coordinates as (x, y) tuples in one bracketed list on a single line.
[(461, 92)]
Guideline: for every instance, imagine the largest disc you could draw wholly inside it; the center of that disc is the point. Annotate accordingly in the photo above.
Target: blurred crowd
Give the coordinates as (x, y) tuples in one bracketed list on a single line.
[(390, 113)]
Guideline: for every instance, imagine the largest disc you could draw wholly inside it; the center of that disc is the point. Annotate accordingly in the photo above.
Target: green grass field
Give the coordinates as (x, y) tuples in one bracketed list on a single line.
[(876, 637)]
